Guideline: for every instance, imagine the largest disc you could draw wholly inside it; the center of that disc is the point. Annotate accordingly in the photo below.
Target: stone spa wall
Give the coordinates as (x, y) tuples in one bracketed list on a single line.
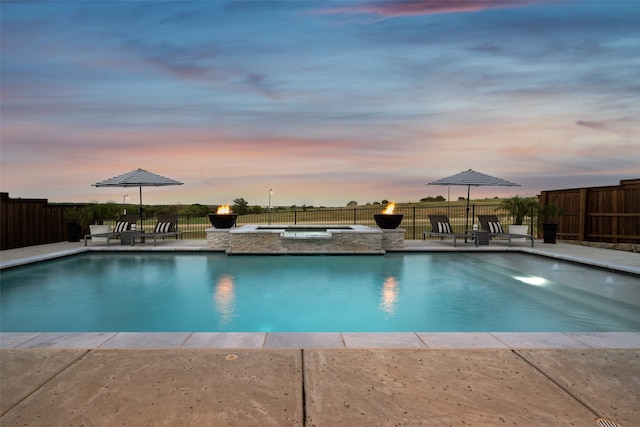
[(316, 239)]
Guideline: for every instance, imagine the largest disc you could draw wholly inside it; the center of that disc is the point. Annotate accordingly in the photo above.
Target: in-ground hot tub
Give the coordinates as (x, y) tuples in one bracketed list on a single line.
[(306, 231), (301, 239), (305, 239)]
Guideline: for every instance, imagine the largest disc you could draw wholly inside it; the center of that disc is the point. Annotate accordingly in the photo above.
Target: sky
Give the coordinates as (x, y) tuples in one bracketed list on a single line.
[(322, 102)]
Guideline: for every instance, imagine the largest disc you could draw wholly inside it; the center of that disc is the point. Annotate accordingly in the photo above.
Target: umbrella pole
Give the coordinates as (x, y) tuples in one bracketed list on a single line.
[(140, 207), (466, 221)]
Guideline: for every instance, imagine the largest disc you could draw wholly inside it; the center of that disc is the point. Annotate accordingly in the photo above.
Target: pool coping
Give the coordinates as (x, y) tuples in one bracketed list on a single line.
[(329, 340), (324, 340), (607, 265)]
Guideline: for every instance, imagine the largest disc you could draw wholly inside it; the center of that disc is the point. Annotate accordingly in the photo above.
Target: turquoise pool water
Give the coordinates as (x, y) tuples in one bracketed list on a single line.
[(465, 292)]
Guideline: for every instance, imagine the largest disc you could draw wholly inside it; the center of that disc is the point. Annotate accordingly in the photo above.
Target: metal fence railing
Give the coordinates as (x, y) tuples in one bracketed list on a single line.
[(415, 220)]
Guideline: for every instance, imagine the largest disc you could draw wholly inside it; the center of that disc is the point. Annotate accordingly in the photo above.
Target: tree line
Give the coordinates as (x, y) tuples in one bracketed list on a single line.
[(240, 206)]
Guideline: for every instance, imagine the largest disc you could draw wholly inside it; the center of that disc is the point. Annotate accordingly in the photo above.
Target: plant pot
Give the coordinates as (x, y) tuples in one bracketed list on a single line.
[(223, 220), (99, 229), (549, 232), (388, 221), (518, 229), (74, 232)]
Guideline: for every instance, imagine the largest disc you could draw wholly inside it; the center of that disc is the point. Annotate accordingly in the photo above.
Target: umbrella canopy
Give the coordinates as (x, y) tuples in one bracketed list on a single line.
[(138, 178), (473, 178)]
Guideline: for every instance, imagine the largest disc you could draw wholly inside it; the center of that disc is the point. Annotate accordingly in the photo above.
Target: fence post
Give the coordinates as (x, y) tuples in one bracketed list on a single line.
[(582, 214), (533, 220), (295, 216), (473, 216), (414, 222)]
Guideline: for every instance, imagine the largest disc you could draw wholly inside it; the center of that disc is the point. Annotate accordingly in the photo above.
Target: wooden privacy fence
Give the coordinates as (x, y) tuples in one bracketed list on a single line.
[(598, 214), (28, 222)]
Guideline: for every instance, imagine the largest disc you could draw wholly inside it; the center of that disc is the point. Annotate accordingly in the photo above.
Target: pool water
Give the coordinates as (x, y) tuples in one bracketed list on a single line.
[(460, 292)]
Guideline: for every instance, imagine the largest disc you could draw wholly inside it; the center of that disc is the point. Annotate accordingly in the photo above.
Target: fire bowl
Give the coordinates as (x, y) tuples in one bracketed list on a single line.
[(388, 221), (223, 220)]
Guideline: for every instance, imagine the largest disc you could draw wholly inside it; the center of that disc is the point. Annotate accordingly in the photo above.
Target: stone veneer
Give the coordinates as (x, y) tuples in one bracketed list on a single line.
[(393, 239), (218, 238), (357, 239)]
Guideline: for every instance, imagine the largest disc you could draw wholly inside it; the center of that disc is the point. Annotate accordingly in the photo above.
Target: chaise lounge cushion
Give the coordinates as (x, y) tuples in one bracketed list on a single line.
[(163, 227), (121, 226), (491, 224), (444, 227), (495, 227)]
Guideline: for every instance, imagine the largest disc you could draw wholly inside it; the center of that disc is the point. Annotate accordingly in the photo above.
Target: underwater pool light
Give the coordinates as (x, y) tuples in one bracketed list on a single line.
[(534, 280)]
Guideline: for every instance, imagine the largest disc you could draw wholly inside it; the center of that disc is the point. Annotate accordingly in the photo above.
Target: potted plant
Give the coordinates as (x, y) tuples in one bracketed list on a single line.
[(519, 208), (550, 214), (74, 230), (93, 215)]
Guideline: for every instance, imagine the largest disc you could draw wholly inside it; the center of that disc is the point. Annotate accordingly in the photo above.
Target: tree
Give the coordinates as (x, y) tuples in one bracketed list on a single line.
[(195, 210), (97, 213), (433, 199), (255, 209), (240, 206), (352, 203)]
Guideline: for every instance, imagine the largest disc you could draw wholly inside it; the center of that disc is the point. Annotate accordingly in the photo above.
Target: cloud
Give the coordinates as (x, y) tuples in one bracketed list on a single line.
[(623, 127), (391, 9), (234, 98)]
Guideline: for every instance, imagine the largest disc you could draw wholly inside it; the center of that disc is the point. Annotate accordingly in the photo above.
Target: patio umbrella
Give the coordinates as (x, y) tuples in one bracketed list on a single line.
[(137, 178), (473, 178)]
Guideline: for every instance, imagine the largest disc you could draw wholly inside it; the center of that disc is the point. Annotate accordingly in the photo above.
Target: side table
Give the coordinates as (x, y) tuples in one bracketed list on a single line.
[(127, 237), (480, 237)]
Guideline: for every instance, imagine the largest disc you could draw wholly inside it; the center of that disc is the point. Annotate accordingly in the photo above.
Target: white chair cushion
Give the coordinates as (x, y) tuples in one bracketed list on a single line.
[(495, 227), (163, 227), (444, 227)]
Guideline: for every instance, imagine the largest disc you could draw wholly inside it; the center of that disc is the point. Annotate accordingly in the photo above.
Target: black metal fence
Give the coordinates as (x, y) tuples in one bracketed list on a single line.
[(415, 220), (27, 222)]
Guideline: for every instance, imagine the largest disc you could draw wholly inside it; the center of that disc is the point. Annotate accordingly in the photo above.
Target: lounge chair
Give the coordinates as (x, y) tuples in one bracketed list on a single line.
[(123, 224), (441, 227), (491, 223), (167, 226)]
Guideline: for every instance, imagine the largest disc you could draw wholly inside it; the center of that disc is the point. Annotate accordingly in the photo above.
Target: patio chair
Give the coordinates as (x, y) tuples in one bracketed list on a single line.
[(491, 224), (441, 227), (123, 224), (167, 226)]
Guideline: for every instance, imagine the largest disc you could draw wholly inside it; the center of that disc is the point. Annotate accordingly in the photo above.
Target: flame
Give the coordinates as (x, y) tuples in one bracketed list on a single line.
[(223, 210), (389, 210)]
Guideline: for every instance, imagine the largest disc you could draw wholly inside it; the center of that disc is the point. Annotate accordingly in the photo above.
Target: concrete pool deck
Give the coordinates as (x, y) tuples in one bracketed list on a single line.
[(325, 379)]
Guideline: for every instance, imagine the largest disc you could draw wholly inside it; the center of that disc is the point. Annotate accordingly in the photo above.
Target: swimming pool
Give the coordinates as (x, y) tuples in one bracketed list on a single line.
[(437, 292)]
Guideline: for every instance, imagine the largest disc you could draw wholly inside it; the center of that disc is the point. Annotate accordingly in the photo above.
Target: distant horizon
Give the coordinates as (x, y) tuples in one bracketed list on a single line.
[(459, 198), (161, 194), (323, 102)]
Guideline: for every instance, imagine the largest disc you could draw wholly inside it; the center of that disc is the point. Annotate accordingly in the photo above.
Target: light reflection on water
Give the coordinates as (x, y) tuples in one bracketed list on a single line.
[(223, 298), (389, 295)]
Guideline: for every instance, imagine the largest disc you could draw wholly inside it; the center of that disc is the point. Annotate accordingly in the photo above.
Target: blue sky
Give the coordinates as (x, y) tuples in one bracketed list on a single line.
[(324, 102)]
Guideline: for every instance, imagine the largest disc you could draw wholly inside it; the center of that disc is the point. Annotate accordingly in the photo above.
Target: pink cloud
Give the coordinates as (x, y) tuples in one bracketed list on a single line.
[(425, 7)]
